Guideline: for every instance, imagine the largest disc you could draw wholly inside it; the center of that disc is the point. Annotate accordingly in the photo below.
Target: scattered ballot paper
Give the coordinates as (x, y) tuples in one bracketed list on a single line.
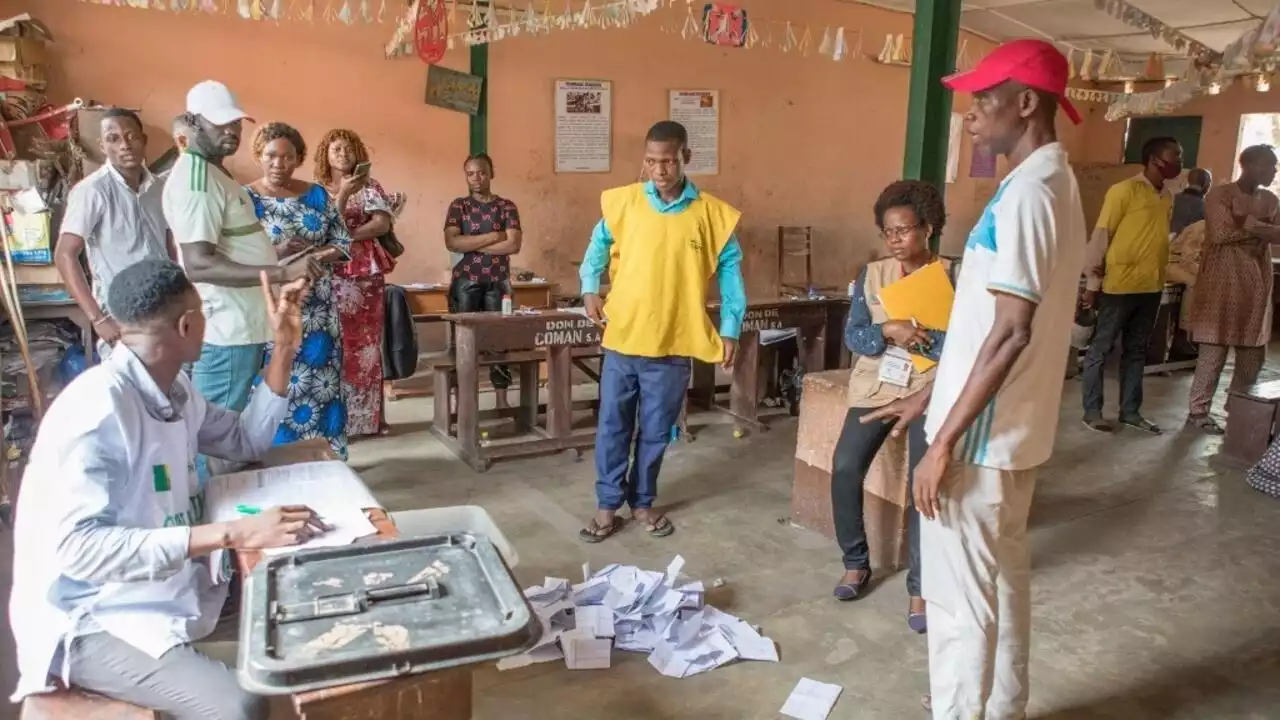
[(811, 700), (625, 608)]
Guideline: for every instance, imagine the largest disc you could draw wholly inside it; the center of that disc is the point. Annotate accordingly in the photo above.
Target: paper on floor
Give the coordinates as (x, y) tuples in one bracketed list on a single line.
[(811, 700), (643, 612)]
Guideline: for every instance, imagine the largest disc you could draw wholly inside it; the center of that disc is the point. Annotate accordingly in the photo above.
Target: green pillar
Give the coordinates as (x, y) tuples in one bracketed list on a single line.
[(479, 123), (933, 55)]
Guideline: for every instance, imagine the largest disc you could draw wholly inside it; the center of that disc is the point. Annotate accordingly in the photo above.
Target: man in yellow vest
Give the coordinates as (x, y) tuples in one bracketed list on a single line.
[(662, 241), (1126, 259)]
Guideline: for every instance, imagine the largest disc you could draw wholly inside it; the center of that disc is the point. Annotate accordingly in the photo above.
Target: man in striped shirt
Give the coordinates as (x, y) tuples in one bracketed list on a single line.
[(224, 248)]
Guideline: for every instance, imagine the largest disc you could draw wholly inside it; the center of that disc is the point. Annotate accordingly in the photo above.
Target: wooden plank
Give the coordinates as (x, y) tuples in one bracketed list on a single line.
[(443, 383), (744, 392), (468, 395), (577, 440), (496, 333), (527, 415), (559, 391)]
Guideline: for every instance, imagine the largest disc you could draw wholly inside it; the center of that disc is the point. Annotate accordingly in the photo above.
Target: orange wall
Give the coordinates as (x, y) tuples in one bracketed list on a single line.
[(804, 140)]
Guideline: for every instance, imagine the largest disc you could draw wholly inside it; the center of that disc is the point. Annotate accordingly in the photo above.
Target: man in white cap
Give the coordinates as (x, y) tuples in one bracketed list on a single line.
[(224, 248)]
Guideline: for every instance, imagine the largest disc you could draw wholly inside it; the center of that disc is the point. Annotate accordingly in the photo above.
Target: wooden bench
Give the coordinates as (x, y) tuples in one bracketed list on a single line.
[(79, 705), (1251, 420)]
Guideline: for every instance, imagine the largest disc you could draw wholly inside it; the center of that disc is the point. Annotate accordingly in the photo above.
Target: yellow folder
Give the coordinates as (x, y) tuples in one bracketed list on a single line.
[(925, 295)]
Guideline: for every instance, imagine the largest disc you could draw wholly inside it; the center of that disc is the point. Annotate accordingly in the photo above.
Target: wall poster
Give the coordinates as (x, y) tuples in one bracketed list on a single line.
[(699, 112), (584, 125)]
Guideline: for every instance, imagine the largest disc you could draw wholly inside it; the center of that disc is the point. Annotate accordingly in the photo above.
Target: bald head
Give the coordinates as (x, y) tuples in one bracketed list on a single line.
[(1200, 179)]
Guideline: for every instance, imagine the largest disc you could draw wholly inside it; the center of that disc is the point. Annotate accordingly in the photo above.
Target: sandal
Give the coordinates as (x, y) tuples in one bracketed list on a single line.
[(1205, 424), (660, 528), (1138, 422), (918, 622), (593, 533), (1097, 424), (927, 703)]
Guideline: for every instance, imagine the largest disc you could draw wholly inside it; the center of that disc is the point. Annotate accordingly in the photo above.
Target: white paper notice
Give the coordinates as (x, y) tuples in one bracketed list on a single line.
[(811, 700), (699, 112), (584, 125)]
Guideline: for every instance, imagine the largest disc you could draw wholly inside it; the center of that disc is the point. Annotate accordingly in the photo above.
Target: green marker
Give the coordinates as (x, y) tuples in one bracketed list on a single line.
[(247, 510)]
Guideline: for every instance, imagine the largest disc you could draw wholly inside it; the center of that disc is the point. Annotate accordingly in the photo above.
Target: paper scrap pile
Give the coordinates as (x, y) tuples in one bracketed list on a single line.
[(639, 611)]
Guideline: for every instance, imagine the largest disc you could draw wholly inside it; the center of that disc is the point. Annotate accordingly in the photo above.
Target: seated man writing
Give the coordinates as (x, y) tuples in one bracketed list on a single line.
[(114, 573)]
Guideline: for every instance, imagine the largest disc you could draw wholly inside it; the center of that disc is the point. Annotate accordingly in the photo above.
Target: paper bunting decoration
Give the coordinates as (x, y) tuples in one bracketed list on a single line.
[(724, 25), (840, 49), (366, 12), (1155, 68), (245, 9), (1158, 102), (1136, 18), (1086, 66), (826, 45), (1071, 64)]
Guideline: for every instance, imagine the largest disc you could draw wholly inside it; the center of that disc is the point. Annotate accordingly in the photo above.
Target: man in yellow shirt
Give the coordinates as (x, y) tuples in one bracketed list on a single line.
[(662, 240), (1126, 260)]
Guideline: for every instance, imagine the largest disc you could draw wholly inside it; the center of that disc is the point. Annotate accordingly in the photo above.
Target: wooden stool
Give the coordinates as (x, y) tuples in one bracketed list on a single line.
[(79, 705), (1251, 418)]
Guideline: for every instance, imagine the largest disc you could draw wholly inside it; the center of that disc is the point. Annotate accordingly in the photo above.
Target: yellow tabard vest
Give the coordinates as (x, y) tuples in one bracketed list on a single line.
[(659, 268)]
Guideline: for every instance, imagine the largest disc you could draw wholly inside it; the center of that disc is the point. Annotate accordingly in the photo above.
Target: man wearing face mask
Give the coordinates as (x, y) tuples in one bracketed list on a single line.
[(224, 248), (1126, 260), (116, 572)]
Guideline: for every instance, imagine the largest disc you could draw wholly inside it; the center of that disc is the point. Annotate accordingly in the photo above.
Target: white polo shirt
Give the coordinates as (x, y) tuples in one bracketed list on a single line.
[(204, 204), (119, 226), (1029, 242)]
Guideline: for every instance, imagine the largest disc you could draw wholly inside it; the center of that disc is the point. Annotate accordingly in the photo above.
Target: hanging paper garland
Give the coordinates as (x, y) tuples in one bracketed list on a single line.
[(725, 25), (431, 31)]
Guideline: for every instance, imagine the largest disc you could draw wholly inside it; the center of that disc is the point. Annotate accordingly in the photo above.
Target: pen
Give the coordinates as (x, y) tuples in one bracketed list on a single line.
[(248, 510)]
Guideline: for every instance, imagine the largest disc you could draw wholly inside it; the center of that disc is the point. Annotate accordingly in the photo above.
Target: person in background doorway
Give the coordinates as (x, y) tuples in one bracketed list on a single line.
[(116, 571), (662, 241), (300, 218), (224, 249), (116, 216), (1126, 259), (992, 411), (1188, 205), (1233, 291), (908, 214), (485, 228), (358, 286), (1185, 252)]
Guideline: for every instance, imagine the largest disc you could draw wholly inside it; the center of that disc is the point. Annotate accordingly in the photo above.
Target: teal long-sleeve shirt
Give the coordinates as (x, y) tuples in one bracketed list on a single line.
[(733, 291)]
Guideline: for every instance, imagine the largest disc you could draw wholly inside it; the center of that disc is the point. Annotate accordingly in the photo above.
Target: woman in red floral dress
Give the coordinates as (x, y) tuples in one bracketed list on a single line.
[(369, 212)]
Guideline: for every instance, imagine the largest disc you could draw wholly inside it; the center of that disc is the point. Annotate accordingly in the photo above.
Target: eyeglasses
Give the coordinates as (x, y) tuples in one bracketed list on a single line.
[(899, 232)]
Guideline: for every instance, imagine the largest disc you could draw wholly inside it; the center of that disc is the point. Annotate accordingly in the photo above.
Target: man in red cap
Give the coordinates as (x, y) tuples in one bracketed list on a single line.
[(993, 409)]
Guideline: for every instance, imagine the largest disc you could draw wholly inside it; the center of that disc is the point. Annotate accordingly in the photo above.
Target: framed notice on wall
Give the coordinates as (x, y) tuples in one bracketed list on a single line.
[(699, 112), (453, 90), (584, 125)]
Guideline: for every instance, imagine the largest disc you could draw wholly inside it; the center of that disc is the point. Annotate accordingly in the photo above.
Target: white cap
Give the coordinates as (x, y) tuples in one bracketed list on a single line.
[(212, 101)]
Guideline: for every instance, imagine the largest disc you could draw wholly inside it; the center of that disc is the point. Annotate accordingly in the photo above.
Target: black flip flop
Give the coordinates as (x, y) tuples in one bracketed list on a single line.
[(593, 533), (660, 528)]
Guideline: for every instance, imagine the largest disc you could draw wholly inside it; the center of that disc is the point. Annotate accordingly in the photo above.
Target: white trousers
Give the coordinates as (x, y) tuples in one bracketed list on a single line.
[(977, 583)]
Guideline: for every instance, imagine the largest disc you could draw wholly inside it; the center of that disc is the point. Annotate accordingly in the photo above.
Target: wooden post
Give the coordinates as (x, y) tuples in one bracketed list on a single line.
[(479, 123), (933, 56)]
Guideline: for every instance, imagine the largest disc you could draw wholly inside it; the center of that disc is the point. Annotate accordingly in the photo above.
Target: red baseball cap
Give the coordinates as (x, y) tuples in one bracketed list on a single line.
[(1034, 63)]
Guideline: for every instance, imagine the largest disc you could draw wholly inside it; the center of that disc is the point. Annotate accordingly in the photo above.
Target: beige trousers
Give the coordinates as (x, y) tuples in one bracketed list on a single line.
[(977, 583)]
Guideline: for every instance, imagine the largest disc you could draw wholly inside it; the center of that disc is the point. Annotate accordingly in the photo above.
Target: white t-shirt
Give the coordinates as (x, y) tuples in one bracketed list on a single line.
[(1029, 242), (119, 226), (204, 204)]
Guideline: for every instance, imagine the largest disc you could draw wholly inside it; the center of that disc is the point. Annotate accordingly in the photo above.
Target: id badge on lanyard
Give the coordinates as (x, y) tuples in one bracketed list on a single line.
[(895, 367)]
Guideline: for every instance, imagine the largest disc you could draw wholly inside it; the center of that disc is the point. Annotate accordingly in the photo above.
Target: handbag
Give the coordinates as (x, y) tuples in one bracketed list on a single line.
[(391, 244)]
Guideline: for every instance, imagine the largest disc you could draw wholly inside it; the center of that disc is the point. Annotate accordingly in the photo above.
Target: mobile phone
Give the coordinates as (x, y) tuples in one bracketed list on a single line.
[(362, 170)]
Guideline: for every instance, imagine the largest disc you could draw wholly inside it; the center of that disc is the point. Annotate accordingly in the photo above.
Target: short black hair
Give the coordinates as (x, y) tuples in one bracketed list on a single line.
[(1152, 147), (273, 131), (1257, 152), (668, 131), (923, 198), (119, 112), (146, 290), (480, 157)]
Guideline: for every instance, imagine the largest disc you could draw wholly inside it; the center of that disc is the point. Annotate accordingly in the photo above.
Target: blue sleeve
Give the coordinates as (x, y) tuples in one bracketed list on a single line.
[(862, 336), (733, 290), (596, 259), (936, 339)]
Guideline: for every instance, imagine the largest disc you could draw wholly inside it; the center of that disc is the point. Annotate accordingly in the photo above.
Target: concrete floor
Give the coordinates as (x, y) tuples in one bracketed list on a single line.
[(1157, 576)]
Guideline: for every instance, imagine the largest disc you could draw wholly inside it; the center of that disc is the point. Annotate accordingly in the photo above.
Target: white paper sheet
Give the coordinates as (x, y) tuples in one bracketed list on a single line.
[(584, 652), (345, 527), (811, 700)]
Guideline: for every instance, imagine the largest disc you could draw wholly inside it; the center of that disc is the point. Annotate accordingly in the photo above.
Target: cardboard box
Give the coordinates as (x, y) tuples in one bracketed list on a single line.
[(32, 238)]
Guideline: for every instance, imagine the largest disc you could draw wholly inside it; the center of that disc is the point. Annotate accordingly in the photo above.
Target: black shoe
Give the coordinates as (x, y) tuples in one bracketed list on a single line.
[(1137, 422), (1097, 423)]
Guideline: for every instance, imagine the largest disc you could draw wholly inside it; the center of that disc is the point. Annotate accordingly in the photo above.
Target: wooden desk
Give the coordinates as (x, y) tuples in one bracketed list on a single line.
[(553, 335), (811, 318)]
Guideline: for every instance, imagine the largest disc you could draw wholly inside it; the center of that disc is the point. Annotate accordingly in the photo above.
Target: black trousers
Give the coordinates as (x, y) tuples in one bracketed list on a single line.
[(1131, 318), (467, 295), (856, 448)]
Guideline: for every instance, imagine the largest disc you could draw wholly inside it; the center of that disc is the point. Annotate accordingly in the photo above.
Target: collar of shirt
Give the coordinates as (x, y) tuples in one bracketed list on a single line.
[(147, 179), (687, 195), (166, 407), (1162, 192)]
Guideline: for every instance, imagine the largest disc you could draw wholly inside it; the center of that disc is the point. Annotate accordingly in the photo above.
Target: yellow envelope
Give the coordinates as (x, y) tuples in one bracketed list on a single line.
[(925, 295)]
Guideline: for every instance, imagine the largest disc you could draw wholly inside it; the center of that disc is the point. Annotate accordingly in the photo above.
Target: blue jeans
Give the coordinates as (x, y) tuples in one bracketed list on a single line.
[(224, 375), (640, 399)]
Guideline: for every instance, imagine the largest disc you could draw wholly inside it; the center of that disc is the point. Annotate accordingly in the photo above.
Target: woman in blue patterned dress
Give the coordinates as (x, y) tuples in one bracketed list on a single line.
[(299, 216)]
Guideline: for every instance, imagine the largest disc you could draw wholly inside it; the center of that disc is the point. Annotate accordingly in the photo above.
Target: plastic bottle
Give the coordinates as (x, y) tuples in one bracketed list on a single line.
[(506, 305)]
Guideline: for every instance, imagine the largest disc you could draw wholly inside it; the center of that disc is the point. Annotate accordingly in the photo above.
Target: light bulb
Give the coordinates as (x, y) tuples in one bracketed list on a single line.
[(1215, 88), (1263, 83)]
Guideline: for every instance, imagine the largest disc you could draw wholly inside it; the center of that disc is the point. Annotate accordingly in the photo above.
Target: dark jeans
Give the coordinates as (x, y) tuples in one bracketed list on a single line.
[(640, 399), (467, 295), (856, 448), (1132, 318)]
